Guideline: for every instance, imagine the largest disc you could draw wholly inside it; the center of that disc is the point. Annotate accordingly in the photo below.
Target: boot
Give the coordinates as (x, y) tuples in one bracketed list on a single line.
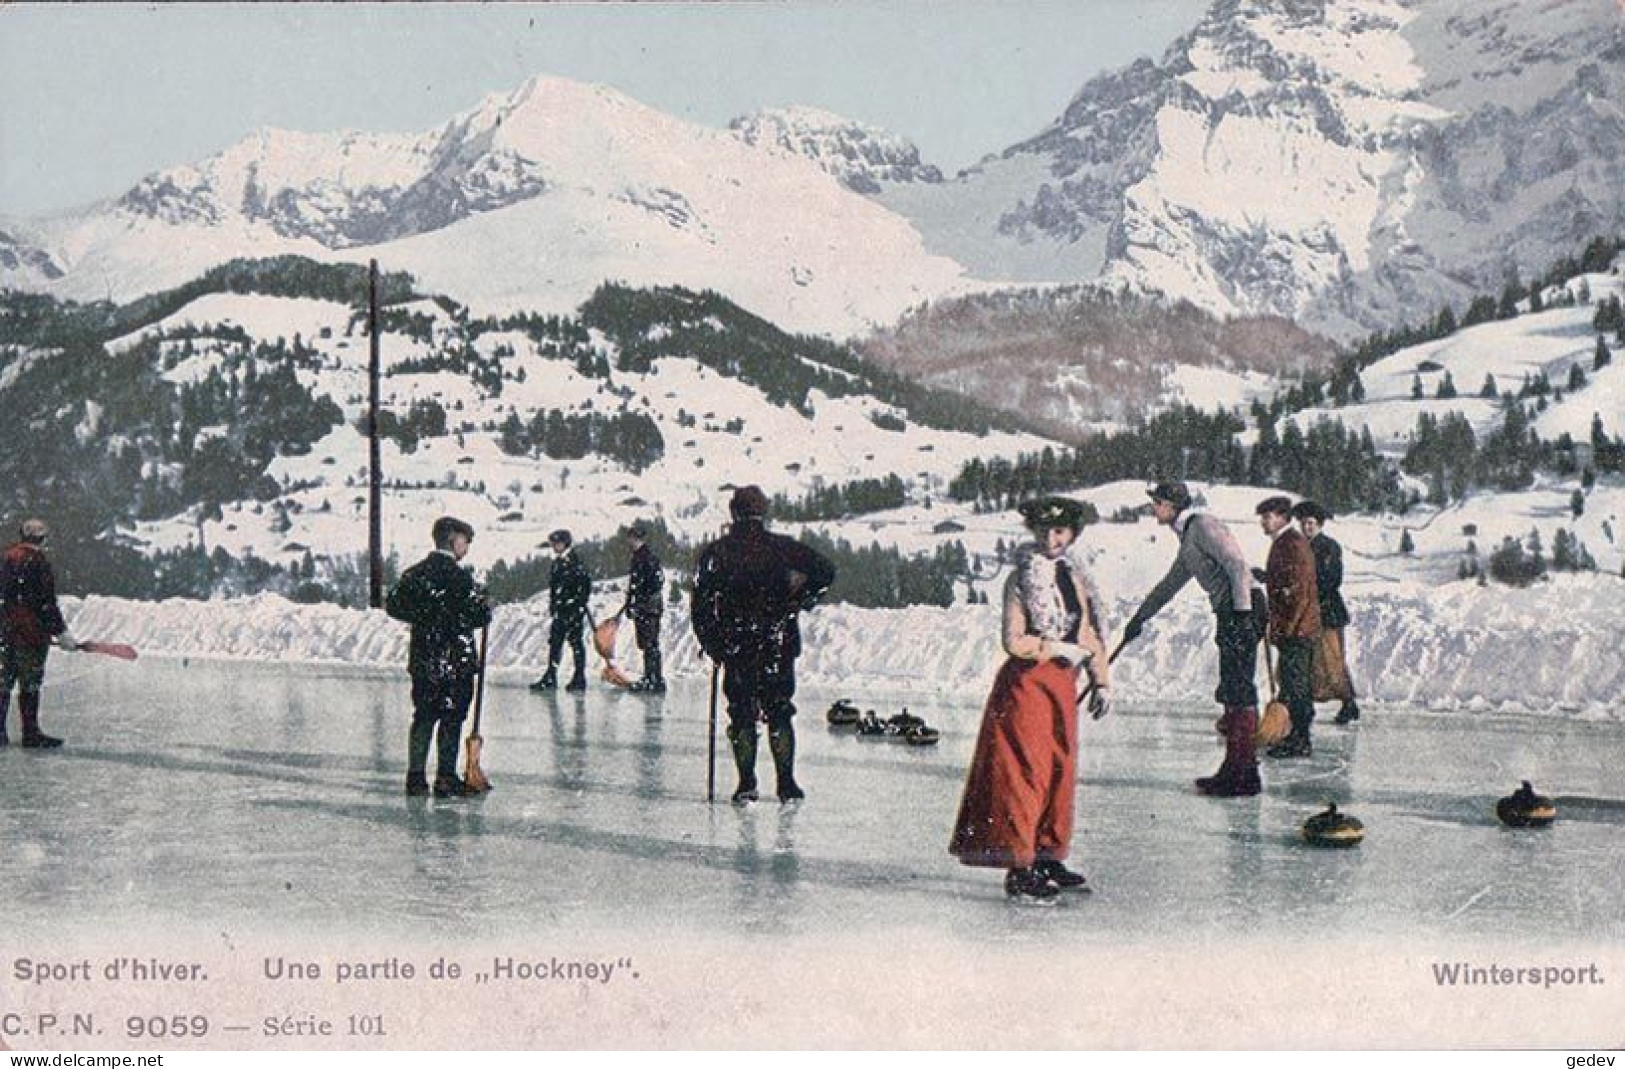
[(1296, 744), (1349, 713), (450, 787), (578, 682), (653, 681), (1238, 773), (1062, 877), (549, 680), (418, 738), (1030, 886), (743, 742), (781, 740), (33, 737)]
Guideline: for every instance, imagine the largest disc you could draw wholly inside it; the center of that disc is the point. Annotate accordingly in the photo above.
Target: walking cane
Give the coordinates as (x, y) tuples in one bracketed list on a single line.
[(711, 769), (473, 775)]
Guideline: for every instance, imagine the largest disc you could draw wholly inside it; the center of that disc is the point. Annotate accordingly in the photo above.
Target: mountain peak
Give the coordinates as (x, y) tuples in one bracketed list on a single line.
[(861, 156)]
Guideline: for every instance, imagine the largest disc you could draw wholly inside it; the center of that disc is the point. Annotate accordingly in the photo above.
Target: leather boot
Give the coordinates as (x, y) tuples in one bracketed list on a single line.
[(33, 737), (781, 740), (1238, 774), (743, 742)]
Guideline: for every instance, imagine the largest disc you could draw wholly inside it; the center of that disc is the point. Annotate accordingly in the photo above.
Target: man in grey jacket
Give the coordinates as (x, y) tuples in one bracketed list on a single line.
[(1210, 554)]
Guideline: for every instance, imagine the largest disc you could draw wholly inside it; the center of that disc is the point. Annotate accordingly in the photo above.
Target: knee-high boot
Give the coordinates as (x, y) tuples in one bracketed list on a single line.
[(781, 740), (1238, 774), (742, 738), (28, 707)]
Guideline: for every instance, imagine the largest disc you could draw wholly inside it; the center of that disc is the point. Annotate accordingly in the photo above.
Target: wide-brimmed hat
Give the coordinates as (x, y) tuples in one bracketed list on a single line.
[(1310, 510), (1173, 492), (1043, 513)]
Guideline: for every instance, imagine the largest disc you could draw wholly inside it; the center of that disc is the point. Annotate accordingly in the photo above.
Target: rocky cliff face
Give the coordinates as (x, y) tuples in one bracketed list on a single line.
[(1343, 162), (863, 157)]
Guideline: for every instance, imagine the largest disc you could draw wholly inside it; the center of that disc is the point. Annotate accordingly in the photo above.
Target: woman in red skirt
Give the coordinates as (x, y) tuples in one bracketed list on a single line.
[(1017, 810)]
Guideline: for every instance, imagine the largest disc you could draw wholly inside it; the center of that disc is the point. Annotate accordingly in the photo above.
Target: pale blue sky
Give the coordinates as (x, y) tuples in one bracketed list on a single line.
[(93, 97)]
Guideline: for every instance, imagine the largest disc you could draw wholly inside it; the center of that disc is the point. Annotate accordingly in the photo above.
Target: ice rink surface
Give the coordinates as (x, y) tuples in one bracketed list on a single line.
[(268, 798)]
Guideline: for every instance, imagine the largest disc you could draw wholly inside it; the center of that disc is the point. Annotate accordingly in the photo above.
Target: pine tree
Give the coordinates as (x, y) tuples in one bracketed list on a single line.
[(1416, 387), (1407, 545), (1447, 388), (1577, 504), (1487, 391), (1577, 377), (1603, 356)]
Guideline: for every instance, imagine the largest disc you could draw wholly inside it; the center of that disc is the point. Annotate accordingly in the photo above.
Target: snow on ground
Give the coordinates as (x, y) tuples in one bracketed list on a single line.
[(1459, 647)]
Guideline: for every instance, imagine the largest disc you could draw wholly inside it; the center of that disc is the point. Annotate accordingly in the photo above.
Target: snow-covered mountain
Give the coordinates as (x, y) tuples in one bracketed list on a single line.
[(860, 155), (1340, 162), (528, 201)]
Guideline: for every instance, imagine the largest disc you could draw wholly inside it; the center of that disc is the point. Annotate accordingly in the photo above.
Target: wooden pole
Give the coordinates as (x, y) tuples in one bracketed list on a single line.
[(375, 494)]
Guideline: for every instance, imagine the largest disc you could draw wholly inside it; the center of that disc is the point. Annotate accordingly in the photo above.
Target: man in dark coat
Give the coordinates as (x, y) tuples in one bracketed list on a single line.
[(568, 588), (645, 604), (1294, 611), (31, 620), (749, 587), (441, 601), (1331, 671), (1210, 554)]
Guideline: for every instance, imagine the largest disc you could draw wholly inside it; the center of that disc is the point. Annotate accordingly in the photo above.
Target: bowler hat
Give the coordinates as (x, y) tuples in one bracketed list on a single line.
[(748, 501)]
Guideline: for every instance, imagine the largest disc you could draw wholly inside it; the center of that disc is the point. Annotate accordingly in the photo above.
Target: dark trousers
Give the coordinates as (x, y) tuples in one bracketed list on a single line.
[(439, 703), (567, 629), (646, 621), (759, 685), (1238, 660), (1297, 681)]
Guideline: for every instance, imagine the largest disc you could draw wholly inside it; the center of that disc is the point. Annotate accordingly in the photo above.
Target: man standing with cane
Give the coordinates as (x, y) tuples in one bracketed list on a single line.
[(439, 598), (1210, 554), (749, 588)]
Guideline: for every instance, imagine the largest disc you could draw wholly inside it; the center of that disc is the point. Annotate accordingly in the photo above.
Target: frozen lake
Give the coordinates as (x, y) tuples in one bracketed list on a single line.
[(267, 798)]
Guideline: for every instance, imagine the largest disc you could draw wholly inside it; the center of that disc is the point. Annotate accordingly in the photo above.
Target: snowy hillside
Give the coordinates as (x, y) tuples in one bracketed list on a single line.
[(715, 431), (1501, 353), (528, 201), (1340, 162)]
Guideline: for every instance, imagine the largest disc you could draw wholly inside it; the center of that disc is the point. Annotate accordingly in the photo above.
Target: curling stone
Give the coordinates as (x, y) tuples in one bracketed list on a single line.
[(1523, 808), (1332, 828), (843, 714)]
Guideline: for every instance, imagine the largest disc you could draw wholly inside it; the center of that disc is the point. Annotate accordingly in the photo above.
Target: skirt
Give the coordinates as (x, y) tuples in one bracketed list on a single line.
[(1017, 806), (1329, 672)]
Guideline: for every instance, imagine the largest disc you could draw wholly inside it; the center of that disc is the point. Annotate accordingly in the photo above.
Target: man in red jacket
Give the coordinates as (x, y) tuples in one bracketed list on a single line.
[(1294, 601), (31, 619)]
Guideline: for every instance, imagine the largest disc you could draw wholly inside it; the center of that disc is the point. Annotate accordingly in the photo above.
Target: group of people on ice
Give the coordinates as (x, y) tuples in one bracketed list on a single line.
[(1016, 813), (749, 587), (569, 590)]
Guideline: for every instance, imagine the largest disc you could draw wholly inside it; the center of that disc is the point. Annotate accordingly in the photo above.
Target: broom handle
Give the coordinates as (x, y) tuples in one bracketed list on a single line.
[(479, 680), (1269, 663), (711, 768)]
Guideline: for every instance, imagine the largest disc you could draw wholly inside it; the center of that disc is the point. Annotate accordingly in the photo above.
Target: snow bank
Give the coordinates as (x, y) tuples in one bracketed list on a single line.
[(1457, 647)]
